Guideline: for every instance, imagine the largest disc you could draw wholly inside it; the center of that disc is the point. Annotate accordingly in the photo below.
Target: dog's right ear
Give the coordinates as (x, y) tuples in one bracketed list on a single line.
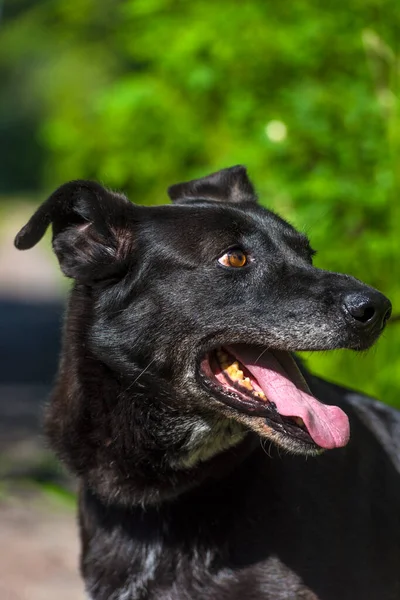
[(92, 230)]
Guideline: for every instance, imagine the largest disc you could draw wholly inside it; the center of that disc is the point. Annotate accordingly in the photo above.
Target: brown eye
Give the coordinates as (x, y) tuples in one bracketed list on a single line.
[(234, 258)]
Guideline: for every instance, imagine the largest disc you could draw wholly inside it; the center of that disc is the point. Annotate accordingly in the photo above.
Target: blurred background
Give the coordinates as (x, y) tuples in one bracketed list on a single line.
[(140, 94)]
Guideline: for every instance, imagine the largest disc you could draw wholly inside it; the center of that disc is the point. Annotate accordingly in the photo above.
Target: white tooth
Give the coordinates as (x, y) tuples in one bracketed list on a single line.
[(299, 421)]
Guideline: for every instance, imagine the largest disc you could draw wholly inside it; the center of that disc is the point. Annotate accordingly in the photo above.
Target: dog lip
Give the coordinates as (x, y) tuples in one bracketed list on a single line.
[(253, 407)]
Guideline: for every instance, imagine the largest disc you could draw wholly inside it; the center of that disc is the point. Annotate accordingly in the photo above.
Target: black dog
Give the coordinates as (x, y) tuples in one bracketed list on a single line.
[(178, 399)]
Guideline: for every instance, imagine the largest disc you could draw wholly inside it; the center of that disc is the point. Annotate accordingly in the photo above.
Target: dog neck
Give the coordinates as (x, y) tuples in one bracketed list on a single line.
[(141, 456), (206, 439), (156, 478)]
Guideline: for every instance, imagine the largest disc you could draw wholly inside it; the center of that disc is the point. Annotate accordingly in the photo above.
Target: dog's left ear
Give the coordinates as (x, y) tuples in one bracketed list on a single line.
[(228, 185), (93, 230)]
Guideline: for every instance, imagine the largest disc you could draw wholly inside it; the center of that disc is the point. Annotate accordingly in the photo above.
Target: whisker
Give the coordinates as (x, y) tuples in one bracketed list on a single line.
[(262, 443), (138, 377), (263, 352), (144, 370)]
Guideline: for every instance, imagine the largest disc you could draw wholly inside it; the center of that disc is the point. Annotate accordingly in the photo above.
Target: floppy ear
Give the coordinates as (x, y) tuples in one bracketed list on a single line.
[(91, 232), (228, 185)]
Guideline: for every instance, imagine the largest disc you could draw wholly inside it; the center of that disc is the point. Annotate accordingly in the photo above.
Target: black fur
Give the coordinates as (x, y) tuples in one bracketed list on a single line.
[(183, 497)]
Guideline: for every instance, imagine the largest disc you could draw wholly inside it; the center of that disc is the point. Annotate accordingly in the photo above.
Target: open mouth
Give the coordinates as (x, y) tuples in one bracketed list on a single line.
[(268, 384)]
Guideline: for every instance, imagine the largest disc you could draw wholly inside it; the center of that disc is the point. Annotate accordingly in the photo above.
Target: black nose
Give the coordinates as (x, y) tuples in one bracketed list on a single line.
[(368, 308)]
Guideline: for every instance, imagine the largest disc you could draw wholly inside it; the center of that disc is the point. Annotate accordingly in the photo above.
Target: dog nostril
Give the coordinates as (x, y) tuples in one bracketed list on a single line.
[(368, 308), (360, 307), (362, 312)]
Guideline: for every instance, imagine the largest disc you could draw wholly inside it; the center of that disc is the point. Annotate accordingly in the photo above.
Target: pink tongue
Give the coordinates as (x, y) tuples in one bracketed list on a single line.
[(284, 385)]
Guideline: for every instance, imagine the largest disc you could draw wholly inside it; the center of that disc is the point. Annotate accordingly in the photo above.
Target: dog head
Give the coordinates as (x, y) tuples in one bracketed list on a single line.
[(181, 326)]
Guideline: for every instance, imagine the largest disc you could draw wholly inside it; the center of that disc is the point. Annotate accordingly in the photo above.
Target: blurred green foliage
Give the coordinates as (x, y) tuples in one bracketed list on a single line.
[(144, 93)]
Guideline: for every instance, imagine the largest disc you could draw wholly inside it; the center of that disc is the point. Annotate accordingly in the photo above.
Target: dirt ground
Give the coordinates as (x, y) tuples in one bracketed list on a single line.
[(39, 550)]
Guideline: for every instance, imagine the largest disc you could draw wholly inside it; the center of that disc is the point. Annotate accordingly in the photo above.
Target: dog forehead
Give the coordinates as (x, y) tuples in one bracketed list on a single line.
[(205, 223)]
